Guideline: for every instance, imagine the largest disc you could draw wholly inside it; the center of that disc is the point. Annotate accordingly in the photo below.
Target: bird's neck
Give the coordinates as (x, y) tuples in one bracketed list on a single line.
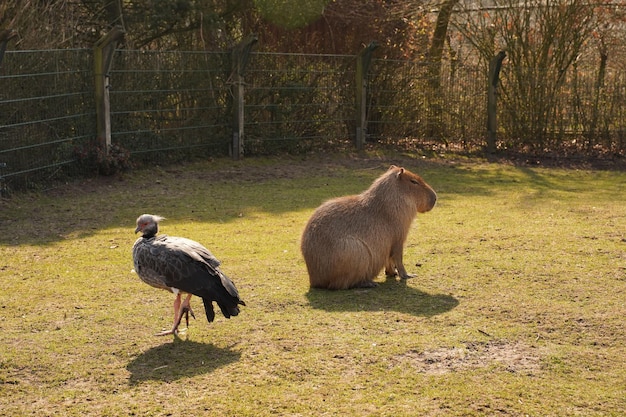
[(149, 234)]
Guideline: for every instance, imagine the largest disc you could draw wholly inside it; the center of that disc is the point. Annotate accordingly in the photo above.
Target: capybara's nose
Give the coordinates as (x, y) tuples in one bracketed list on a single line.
[(431, 201)]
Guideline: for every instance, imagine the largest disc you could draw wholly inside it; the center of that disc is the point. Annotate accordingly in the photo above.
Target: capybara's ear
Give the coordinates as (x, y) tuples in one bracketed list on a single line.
[(400, 172), (392, 167)]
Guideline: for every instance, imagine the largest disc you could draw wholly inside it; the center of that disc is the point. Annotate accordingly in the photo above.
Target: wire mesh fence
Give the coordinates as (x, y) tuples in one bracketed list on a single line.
[(297, 102), (579, 113), (170, 106), (404, 104), (46, 108)]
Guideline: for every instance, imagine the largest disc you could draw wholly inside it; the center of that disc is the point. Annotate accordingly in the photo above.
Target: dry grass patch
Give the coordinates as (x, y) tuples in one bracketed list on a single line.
[(515, 357)]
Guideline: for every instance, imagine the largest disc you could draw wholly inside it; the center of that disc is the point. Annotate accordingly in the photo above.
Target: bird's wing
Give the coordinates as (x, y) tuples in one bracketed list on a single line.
[(190, 267), (202, 255), (195, 250)]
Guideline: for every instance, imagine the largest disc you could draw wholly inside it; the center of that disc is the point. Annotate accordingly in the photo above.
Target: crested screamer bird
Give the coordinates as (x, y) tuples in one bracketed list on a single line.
[(181, 265)]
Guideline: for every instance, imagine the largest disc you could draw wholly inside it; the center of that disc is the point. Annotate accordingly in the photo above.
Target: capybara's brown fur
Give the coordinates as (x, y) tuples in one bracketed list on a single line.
[(348, 240)]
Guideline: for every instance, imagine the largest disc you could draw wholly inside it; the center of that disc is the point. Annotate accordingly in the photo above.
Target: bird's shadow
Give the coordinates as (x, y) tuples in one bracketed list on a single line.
[(179, 359), (390, 295)]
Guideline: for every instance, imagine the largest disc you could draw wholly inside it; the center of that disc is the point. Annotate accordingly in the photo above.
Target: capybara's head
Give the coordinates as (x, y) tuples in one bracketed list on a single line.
[(414, 186)]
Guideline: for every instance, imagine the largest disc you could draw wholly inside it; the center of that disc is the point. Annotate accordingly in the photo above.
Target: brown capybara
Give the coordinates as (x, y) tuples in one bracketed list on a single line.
[(348, 240)]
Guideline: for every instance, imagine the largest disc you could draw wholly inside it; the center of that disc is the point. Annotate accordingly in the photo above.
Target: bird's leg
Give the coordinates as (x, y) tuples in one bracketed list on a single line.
[(180, 309), (186, 309), (177, 318)]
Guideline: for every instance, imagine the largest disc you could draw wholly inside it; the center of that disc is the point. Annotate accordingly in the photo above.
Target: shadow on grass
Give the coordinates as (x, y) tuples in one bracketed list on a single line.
[(208, 194), (219, 191), (392, 295), (179, 359)]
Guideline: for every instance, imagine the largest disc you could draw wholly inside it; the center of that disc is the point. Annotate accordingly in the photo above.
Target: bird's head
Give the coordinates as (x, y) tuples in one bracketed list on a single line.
[(148, 225)]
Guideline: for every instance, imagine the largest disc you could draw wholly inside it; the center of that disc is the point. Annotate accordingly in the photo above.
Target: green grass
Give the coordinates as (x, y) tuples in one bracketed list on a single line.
[(517, 309)]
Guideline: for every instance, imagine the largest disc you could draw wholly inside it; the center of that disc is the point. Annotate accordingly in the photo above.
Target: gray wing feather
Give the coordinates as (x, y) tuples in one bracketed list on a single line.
[(164, 262), (191, 248), (201, 254)]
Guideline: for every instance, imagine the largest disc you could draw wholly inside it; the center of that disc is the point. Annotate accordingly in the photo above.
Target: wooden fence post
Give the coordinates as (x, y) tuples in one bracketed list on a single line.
[(494, 73), (363, 62), (239, 60), (5, 36), (103, 59)]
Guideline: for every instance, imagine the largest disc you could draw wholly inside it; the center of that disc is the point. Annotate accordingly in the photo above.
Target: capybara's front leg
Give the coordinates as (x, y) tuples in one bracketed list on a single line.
[(403, 274), (396, 259), (390, 268)]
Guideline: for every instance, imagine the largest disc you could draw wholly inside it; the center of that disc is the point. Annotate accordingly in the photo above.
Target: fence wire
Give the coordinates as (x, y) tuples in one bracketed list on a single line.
[(169, 106), (298, 102), (46, 108)]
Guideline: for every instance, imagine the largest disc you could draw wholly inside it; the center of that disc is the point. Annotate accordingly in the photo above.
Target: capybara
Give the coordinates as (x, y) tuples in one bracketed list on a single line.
[(348, 240)]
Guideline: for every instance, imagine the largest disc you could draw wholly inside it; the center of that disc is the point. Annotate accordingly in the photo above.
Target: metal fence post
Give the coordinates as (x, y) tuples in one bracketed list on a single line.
[(240, 57), (494, 73), (362, 67), (103, 59)]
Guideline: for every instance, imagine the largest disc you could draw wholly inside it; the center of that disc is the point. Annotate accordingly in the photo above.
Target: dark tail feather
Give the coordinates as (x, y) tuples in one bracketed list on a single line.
[(228, 310), (208, 308)]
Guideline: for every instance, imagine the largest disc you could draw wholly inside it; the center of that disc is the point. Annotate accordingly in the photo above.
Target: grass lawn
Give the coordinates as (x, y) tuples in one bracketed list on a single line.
[(517, 309)]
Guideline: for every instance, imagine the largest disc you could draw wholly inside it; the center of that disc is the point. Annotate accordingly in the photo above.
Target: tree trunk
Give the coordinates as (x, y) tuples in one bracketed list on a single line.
[(114, 16), (435, 54), (494, 75), (5, 36), (598, 87)]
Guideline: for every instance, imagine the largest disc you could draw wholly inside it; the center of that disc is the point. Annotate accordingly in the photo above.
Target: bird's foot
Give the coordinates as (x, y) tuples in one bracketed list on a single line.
[(186, 310), (174, 331), (167, 332)]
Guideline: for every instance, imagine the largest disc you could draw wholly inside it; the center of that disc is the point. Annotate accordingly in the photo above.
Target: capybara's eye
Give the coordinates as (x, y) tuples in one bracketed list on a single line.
[(415, 182)]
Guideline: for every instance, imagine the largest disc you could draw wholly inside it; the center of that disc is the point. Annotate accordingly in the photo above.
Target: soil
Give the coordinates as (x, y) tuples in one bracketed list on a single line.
[(513, 356)]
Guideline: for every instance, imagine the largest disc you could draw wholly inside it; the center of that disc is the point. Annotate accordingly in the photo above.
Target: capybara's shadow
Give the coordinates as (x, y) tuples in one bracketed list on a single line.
[(392, 294), (179, 359)]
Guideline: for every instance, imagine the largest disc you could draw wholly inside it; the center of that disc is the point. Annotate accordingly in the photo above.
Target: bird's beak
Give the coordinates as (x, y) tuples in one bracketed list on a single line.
[(138, 229)]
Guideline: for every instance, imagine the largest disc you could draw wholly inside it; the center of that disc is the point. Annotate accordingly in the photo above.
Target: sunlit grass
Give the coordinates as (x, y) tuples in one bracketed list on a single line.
[(517, 307)]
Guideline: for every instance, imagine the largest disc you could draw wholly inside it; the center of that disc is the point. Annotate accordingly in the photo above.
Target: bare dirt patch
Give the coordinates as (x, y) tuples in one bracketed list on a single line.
[(512, 356)]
